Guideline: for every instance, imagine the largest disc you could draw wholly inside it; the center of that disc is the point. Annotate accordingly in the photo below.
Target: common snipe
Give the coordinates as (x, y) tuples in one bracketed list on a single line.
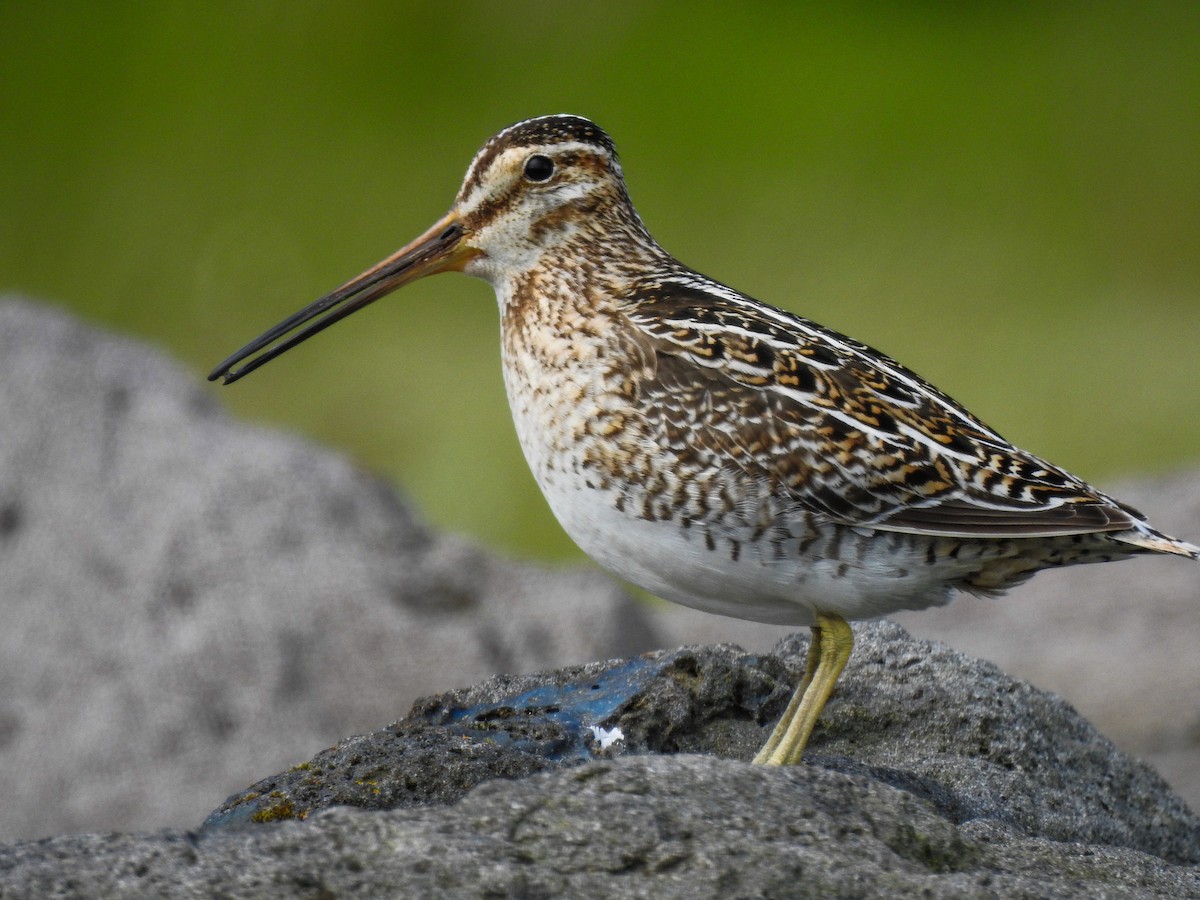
[(715, 450)]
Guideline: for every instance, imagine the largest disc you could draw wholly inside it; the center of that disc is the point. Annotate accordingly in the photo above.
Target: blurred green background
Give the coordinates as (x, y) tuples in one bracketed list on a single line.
[(1006, 196)]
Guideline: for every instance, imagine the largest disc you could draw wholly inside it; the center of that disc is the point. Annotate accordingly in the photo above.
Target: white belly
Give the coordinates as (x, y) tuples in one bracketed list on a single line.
[(721, 563), (679, 565)]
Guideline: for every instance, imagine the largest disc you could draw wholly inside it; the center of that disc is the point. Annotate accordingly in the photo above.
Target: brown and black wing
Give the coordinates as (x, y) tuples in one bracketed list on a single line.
[(844, 430)]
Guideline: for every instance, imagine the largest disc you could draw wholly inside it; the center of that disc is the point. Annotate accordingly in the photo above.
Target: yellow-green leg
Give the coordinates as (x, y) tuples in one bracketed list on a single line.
[(810, 666), (832, 641)]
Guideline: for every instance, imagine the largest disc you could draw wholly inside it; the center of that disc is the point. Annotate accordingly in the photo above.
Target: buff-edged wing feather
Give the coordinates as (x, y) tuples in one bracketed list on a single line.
[(849, 432)]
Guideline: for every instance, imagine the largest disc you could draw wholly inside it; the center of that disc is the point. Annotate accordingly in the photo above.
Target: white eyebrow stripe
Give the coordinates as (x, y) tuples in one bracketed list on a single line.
[(472, 201)]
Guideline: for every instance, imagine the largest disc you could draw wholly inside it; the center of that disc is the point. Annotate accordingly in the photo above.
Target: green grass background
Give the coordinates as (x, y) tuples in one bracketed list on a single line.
[(1006, 196)]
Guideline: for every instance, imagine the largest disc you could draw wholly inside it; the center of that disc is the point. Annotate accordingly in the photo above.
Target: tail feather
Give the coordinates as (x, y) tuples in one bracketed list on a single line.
[(1146, 538)]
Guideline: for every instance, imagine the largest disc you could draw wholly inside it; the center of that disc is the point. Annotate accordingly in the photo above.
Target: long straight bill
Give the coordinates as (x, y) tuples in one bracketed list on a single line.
[(440, 249)]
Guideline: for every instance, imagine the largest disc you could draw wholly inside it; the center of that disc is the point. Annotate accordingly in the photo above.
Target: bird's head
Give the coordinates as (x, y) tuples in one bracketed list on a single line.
[(534, 190)]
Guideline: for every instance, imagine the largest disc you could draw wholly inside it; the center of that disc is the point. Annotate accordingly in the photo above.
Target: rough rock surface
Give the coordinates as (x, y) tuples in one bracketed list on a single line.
[(1118, 640), (957, 732), (648, 827), (930, 775), (189, 601)]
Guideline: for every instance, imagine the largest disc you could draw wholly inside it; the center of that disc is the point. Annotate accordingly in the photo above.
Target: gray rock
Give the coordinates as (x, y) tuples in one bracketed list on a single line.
[(706, 698), (962, 783), (189, 601), (1118, 640), (646, 827), (957, 732)]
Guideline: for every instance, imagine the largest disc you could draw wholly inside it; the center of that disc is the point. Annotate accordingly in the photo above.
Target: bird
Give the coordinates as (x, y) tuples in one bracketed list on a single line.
[(717, 451)]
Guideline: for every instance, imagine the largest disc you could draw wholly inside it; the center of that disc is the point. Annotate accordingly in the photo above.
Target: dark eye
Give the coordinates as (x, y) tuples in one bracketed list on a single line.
[(539, 168)]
